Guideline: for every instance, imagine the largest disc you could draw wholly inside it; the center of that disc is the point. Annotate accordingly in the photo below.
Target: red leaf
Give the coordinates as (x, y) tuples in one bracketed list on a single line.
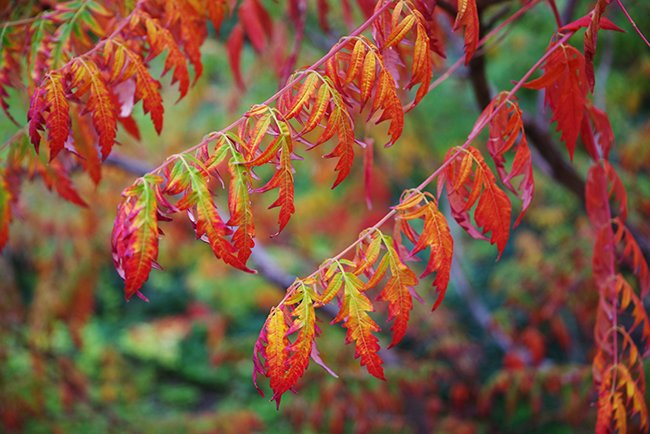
[(506, 130), (256, 22), (340, 122), (135, 233), (161, 39), (282, 180), (5, 211), (58, 119), (85, 147), (216, 11), (566, 88), (467, 17), (56, 177), (435, 235), (146, 87), (86, 78), (234, 46), (465, 187), (596, 133)]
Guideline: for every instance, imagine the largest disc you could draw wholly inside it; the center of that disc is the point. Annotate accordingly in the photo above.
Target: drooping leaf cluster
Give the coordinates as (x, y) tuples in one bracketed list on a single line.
[(87, 85)]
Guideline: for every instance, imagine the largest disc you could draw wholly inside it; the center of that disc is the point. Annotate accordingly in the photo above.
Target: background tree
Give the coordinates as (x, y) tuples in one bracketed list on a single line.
[(566, 333)]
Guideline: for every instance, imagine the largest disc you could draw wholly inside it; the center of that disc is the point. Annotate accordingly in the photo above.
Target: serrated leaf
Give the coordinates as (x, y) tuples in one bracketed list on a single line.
[(300, 350), (239, 204), (506, 130), (467, 17), (360, 326), (566, 91), (206, 219), (86, 78), (146, 87), (58, 119), (397, 292), (493, 209), (135, 233), (276, 351), (437, 236)]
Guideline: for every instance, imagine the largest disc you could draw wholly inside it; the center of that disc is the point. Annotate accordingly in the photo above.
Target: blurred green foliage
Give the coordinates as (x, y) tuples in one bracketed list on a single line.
[(182, 362)]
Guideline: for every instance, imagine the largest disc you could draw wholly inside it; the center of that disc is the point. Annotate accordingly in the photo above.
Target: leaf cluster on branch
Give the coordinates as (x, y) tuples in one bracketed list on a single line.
[(89, 64)]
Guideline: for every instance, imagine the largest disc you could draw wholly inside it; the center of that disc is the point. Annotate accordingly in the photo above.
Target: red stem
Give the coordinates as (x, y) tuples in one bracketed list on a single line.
[(335, 49), (483, 41), (629, 18), (556, 13), (475, 132)]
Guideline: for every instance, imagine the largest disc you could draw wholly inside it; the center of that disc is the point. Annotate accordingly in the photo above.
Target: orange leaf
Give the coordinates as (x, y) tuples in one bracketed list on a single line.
[(467, 17), (359, 325), (135, 234), (282, 180), (239, 204), (86, 77), (437, 237), (277, 349), (493, 209), (300, 351), (146, 87)]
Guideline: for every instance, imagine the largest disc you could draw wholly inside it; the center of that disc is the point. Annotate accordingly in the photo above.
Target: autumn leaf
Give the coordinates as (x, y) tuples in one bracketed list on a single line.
[(87, 78), (135, 234), (566, 89), (397, 292), (146, 87), (304, 324), (467, 17), (161, 39), (234, 47), (435, 235), (469, 181), (360, 326), (507, 131), (239, 204), (204, 215), (5, 211)]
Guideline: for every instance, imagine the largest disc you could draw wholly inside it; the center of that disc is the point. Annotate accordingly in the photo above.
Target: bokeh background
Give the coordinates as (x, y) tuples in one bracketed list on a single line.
[(76, 358)]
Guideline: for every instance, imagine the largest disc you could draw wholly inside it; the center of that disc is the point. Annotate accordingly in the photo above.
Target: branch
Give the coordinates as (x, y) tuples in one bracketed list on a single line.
[(560, 170)]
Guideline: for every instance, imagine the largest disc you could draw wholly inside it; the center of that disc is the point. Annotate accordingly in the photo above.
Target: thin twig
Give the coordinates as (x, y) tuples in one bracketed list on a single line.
[(472, 136), (629, 18), (210, 136)]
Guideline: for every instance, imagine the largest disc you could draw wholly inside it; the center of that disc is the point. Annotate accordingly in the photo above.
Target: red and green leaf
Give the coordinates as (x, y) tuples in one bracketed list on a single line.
[(135, 234), (239, 204), (204, 215)]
